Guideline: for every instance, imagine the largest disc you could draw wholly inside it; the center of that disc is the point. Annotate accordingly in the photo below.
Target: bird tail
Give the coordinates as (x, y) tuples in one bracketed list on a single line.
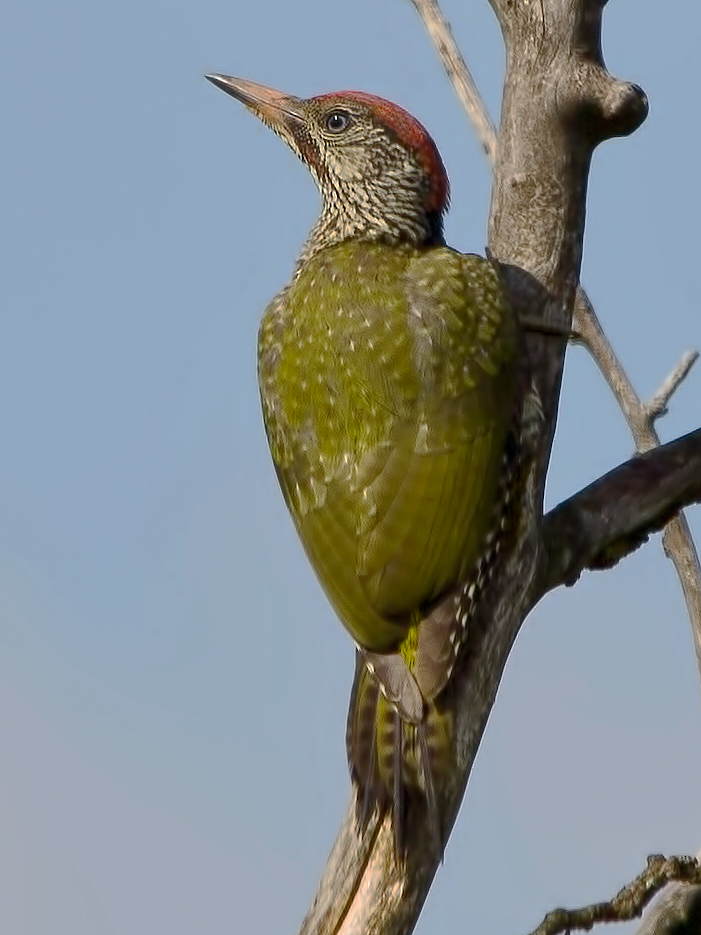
[(396, 764)]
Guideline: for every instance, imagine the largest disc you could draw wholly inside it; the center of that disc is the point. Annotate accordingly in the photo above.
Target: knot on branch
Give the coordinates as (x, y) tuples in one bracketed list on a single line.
[(599, 105), (558, 49), (603, 105)]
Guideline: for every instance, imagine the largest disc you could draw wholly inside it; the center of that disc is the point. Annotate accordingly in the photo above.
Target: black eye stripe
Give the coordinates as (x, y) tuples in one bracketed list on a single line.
[(336, 121)]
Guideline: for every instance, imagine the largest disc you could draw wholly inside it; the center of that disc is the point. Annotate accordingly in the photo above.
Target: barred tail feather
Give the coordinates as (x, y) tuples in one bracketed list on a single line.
[(396, 765)]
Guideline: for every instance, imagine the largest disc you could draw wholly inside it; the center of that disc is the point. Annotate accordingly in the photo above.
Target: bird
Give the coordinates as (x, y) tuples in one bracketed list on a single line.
[(388, 376)]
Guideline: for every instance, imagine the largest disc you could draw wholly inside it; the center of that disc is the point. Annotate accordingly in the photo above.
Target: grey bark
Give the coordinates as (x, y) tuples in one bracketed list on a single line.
[(559, 103)]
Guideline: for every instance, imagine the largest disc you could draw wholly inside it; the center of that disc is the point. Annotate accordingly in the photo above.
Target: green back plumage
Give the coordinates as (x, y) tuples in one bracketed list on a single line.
[(387, 382)]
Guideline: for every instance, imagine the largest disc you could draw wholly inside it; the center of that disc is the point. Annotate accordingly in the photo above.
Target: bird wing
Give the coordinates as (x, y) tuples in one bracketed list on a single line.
[(427, 494), (389, 429)]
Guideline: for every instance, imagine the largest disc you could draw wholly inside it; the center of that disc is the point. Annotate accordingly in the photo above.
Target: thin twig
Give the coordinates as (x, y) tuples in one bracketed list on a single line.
[(460, 76), (639, 416), (677, 541), (658, 404), (629, 902)]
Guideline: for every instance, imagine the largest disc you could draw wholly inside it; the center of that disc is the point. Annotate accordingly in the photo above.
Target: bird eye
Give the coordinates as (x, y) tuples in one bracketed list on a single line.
[(337, 121)]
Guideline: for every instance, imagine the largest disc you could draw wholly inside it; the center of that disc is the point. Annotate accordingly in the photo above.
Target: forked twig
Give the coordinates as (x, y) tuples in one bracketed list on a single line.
[(677, 541)]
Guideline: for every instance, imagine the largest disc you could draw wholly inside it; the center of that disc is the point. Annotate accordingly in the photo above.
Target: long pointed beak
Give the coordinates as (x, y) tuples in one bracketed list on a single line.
[(270, 105)]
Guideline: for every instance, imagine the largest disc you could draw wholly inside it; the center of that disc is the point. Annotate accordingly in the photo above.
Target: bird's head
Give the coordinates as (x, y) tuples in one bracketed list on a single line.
[(379, 172)]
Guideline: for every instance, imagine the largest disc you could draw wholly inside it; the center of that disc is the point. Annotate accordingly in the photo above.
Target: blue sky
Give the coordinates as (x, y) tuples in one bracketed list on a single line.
[(173, 687)]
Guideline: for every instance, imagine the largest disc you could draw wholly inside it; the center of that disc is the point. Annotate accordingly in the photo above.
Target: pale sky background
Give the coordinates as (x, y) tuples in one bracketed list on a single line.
[(173, 687)]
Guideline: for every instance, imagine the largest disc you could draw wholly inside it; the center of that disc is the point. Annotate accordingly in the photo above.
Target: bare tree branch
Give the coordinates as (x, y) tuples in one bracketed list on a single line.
[(678, 543), (610, 518), (677, 540), (559, 103), (629, 902)]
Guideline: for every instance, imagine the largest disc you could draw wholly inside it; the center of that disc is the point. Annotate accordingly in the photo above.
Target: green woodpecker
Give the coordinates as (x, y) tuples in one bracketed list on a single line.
[(387, 372)]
